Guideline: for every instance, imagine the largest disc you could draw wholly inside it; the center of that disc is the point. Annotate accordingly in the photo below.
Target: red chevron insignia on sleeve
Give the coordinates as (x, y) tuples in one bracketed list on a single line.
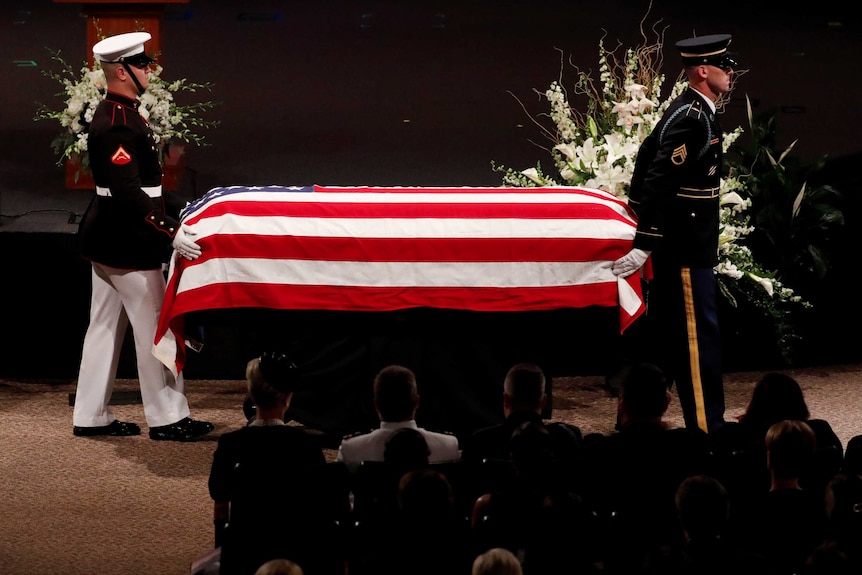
[(121, 156)]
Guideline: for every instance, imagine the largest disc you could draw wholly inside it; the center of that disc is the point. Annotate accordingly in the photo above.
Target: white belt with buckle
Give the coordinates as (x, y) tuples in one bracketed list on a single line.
[(152, 191)]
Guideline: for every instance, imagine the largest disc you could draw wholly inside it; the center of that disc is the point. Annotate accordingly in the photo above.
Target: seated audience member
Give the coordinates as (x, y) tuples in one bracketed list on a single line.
[(776, 397), (258, 470), (852, 462), (538, 517), (279, 567), (271, 381), (842, 543), (703, 508), (631, 475), (486, 450), (426, 537), (789, 521), (375, 483), (739, 446), (396, 399), (523, 400), (829, 559), (406, 450), (497, 561)]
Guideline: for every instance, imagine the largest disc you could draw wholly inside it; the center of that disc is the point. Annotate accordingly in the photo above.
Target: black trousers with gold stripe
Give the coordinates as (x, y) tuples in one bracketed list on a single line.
[(683, 338)]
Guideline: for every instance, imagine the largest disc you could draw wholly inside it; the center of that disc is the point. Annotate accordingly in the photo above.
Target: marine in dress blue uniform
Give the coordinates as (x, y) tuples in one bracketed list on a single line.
[(126, 234), (675, 193)]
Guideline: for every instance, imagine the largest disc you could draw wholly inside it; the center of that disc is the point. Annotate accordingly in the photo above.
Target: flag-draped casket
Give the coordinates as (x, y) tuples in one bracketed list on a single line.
[(380, 249)]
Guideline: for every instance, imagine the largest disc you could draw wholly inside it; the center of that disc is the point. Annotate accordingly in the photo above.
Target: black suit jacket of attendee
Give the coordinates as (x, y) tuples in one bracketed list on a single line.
[(635, 472), (712, 556), (128, 229), (674, 188), (739, 458), (785, 525), (493, 442), (741, 435), (286, 446)]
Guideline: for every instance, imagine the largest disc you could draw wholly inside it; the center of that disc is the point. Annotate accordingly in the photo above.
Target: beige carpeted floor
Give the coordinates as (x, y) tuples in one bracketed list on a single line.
[(131, 506)]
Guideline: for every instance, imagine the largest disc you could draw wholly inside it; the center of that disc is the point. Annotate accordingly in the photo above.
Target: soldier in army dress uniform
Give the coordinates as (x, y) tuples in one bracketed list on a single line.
[(675, 193), (126, 234)]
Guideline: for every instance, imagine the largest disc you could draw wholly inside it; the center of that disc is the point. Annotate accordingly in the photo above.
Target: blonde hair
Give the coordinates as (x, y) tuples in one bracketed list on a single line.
[(260, 389), (497, 561)]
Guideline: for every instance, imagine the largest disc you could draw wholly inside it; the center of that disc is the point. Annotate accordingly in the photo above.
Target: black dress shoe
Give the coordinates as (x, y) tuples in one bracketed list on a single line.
[(116, 428), (185, 429)]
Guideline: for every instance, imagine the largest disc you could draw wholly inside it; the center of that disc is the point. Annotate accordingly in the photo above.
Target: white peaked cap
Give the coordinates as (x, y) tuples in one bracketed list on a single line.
[(116, 48)]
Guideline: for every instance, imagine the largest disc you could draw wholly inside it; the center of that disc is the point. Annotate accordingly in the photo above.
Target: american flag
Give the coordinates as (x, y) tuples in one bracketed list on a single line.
[(390, 248)]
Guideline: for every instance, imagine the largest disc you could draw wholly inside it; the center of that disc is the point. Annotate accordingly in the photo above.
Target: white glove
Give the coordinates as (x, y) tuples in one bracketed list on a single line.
[(630, 263), (184, 244)]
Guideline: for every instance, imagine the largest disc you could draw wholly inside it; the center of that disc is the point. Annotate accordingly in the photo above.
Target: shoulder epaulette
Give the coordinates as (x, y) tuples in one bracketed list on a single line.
[(694, 109)]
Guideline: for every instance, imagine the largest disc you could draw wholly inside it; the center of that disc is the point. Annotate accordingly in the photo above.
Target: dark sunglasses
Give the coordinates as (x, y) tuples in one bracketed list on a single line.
[(726, 63)]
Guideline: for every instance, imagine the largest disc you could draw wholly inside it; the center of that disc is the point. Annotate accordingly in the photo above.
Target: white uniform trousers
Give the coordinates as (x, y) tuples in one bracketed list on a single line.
[(118, 298)]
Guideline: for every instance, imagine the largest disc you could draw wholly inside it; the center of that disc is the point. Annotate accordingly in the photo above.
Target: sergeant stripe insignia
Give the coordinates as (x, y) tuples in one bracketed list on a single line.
[(679, 155), (121, 157)]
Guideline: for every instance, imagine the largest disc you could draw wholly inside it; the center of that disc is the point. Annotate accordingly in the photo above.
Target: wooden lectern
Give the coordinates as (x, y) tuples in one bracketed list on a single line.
[(107, 18)]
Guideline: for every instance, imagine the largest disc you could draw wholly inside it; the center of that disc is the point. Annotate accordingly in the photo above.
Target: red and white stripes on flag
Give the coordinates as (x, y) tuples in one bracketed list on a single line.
[(389, 248)]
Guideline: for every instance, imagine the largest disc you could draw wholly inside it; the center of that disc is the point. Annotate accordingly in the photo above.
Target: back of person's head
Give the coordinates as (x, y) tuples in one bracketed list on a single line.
[(829, 558), (524, 388), (789, 448), (644, 392), (279, 567), (406, 449), (395, 393), (776, 396), (271, 378), (497, 561), (425, 495), (703, 507)]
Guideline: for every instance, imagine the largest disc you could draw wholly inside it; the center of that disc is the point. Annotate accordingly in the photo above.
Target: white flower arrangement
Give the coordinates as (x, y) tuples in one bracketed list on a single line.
[(84, 89), (598, 149)]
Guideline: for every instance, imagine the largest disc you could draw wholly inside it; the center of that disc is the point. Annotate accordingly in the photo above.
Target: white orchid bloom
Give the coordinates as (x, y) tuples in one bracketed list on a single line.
[(645, 105), (636, 90), (623, 108), (627, 122)]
